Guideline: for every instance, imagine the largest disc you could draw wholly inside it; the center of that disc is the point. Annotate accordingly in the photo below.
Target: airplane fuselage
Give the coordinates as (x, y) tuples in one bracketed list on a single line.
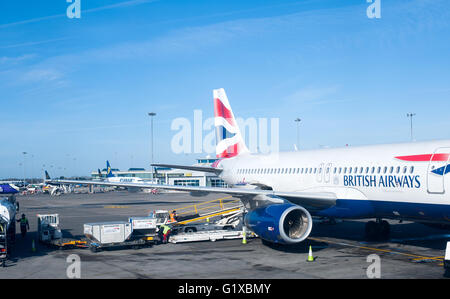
[(399, 181)]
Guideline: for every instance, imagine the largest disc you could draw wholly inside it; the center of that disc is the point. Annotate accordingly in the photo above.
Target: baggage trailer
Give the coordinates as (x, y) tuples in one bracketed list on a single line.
[(120, 234), (230, 226)]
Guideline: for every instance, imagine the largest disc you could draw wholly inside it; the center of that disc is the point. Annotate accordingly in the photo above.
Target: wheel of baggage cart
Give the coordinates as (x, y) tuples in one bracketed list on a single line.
[(94, 249)]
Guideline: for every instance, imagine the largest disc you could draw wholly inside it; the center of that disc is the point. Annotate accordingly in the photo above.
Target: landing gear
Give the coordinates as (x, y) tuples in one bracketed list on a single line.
[(376, 230)]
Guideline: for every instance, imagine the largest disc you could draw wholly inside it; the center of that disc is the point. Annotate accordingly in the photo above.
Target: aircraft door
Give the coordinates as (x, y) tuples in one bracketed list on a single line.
[(437, 170)]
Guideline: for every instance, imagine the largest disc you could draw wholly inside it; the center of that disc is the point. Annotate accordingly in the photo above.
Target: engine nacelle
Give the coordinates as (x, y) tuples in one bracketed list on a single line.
[(280, 223)]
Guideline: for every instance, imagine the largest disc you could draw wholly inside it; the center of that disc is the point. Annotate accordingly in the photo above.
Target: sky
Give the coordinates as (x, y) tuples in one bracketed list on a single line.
[(77, 92)]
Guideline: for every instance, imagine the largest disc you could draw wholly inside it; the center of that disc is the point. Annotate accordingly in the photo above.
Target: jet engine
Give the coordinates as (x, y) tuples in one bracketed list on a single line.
[(280, 223)]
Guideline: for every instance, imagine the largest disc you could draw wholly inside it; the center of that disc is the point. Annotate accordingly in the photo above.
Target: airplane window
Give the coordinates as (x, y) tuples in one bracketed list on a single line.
[(405, 169), (290, 170), (361, 170), (340, 170), (385, 169), (335, 170), (391, 170), (345, 170), (367, 169), (373, 170), (350, 170), (315, 170), (328, 170), (398, 169), (412, 169), (379, 169), (320, 170)]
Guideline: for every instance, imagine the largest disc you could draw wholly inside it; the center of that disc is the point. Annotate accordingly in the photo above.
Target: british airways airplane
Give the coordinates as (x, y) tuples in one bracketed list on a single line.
[(283, 191)]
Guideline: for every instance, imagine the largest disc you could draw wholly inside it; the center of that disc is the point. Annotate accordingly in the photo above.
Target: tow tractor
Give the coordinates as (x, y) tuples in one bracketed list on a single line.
[(50, 233)]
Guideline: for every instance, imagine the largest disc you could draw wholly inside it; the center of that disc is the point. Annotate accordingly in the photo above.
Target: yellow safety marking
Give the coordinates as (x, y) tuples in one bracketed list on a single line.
[(417, 257), (200, 204), (116, 207), (208, 216), (205, 205)]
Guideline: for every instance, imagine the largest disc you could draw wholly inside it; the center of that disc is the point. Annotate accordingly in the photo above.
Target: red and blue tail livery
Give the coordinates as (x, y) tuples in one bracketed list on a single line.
[(229, 141)]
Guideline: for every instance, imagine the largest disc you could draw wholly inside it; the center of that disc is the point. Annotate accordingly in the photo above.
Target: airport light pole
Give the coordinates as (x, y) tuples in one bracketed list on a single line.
[(152, 114), (298, 120), (24, 175), (411, 115)]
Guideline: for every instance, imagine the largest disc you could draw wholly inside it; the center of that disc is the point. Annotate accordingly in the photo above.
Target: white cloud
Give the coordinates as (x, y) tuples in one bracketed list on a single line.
[(36, 75)]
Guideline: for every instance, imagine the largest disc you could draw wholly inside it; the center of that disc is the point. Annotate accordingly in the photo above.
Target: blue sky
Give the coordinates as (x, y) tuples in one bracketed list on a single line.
[(75, 92)]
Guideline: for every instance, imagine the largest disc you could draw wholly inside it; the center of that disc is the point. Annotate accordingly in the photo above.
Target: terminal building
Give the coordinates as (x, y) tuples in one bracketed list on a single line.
[(171, 176)]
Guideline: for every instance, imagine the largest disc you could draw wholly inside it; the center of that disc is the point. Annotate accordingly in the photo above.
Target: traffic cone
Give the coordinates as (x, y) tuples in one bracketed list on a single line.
[(310, 256), (244, 235), (33, 246)]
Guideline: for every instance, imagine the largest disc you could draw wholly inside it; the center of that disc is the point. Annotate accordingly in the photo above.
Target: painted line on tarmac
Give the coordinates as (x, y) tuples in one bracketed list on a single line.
[(116, 207), (414, 256)]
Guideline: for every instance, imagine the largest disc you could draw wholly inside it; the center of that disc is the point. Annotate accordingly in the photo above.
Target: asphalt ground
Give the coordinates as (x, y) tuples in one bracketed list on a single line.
[(340, 250)]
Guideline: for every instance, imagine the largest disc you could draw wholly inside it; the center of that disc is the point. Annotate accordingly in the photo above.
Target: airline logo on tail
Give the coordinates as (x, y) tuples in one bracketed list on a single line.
[(229, 142), (109, 174)]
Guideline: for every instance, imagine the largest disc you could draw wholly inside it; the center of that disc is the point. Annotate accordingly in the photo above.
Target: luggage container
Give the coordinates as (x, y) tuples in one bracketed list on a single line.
[(108, 232), (114, 234), (143, 226)]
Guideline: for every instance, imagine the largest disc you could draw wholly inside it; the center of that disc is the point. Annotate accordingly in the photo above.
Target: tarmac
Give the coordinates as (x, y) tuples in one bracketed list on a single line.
[(340, 250)]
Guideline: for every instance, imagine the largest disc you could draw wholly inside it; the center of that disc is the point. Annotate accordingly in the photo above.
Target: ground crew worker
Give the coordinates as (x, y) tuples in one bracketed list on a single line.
[(173, 216), (24, 225), (165, 231)]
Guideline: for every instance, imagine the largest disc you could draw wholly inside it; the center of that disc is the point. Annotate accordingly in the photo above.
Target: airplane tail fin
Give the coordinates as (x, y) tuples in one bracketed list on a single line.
[(47, 176), (229, 141), (99, 173), (109, 173)]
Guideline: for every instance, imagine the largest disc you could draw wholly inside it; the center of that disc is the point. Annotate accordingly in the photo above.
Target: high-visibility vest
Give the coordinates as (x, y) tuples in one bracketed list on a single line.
[(23, 221), (172, 217), (166, 229)]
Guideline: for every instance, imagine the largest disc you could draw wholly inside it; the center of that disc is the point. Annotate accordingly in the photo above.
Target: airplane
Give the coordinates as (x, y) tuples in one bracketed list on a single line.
[(284, 191), (8, 189), (112, 178)]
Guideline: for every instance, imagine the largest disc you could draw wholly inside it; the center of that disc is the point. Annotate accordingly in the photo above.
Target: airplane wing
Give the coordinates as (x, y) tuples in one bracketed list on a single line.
[(193, 168), (311, 200)]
